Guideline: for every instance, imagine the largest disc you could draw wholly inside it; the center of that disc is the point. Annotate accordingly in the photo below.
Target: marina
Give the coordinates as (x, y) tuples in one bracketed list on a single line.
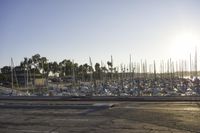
[(135, 88), (99, 66)]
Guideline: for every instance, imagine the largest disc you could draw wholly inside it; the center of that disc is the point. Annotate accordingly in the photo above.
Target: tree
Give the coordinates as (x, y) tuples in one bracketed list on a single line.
[(30, 62), (24, 65), (85, 71), (6, 70), (2, 77), (35, 63), (110, 65), (53, 67), (5, 74), (35, 60), (97, 71), (44, 67), (66, 67), (81, 72)]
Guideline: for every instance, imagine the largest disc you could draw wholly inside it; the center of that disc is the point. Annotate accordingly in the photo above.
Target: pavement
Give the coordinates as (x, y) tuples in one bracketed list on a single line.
[(99, 117)]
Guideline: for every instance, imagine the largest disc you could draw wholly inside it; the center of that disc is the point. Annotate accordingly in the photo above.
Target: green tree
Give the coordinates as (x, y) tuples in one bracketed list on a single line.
[(35, 61), (53, 67), (86, 71), (66, 67), (5, 74), (6, 70), (97, 71)]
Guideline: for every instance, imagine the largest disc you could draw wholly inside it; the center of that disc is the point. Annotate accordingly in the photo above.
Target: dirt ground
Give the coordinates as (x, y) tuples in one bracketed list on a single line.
[(99, 117)]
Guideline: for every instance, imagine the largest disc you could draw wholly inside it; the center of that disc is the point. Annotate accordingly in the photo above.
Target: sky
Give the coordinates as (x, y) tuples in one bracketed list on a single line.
[(79, 29)]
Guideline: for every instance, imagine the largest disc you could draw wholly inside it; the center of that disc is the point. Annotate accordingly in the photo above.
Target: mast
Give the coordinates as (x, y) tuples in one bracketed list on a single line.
[(111, 67), (130, 67), (190, 66), (132, 73), (185, 68), (160, 69), (73, 72), (101, 72), (154, 70), (91, 75), (182, 68), (11, 73), (196, 73), (27, 75), (177, 70), (139, 71), (141, 68), (145, 67), (122, 75), (171, 73), (170, 67)]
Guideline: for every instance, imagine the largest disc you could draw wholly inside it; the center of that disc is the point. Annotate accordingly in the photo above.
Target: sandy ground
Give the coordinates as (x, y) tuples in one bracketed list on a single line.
[(100, 117)]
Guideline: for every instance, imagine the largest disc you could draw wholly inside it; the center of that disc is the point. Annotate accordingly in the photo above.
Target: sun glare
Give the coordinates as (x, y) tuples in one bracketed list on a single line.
[(183, 44)]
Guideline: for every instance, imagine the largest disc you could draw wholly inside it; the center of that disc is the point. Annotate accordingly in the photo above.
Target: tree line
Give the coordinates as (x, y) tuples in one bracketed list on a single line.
[(38, 65)]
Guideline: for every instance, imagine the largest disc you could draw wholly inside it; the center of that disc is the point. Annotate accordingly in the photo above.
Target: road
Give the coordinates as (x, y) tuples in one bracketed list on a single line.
[(99, 117)]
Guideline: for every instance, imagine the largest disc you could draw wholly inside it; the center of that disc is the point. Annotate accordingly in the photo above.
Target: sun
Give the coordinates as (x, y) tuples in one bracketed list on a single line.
[(183, 44)]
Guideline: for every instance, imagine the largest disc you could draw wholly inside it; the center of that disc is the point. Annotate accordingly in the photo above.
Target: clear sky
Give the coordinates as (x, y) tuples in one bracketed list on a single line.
[(77, 29)]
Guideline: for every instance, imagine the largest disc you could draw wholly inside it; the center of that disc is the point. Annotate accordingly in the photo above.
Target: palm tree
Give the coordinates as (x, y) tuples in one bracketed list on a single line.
[(35, 62), (85, 70), (66, 67), (24, 65), (104, 71), (54, 67), (97, 71), (44, 66), (80, 72), (110, 65), (5, 72)]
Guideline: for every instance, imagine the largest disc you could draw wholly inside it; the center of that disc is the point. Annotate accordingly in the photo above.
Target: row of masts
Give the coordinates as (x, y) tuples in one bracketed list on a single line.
[(142, 69), (163, 69)]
